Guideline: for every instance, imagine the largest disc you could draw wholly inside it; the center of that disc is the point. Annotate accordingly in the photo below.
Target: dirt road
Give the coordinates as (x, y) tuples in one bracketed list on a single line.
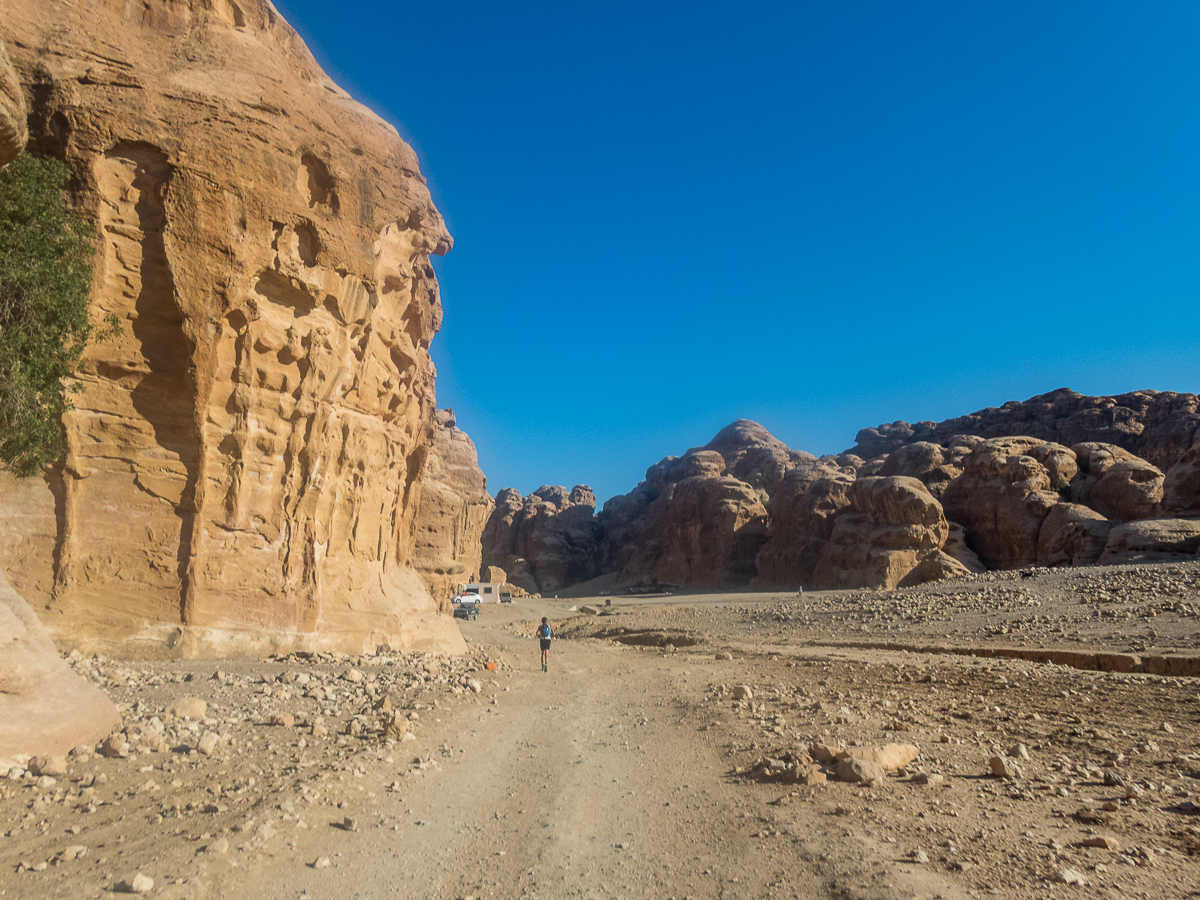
[(640, 765)]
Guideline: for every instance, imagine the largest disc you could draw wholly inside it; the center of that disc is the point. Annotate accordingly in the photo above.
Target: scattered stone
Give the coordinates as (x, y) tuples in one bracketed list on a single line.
[(139, 884), (349, 823), (321, 862), (724, 655), (208, 743), (1003, 767), (48, 765), (743, 692), (1070, 876), (1105, 843), (189, 708), (286, 720)]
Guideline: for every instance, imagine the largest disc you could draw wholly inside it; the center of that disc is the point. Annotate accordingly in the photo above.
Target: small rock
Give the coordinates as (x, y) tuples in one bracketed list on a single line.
[(219, 846), (349, 823), (859, 770), (724, 655), (208, 743), (286, 720), (139, 884), (1133, 792), (1167, 729), (1105, 843), (321, 862), (189, 708), (114, 746), (48, 765), (1003, 767), (920, 856), (475, 685), (352, 675), (1070, 876), (743, 692)]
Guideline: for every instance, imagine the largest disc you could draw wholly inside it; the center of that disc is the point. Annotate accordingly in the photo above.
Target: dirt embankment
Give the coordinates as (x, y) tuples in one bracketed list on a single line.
[(665, 754)]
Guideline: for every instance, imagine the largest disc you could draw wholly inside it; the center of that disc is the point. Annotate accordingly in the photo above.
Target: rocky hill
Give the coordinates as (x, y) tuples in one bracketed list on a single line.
[(244, 463), (1061, 479)]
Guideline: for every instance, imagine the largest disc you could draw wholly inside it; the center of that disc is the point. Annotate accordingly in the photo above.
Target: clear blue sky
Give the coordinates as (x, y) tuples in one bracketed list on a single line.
[(818, 215)]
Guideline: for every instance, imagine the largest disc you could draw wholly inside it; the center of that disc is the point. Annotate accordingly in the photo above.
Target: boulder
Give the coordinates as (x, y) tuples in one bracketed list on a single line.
[(1117, 484), (1072, 535), (891, 525), (243, 460), (1152, 540), (45, 708), (13, 129), (1001, 499), (453, 510)]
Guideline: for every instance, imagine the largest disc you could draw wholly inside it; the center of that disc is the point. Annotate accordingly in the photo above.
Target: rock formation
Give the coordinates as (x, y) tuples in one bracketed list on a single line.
[(915, 503), (243, 465), (13, 130), (454, 508), (1157, 426), (545, 541), (891, 526)]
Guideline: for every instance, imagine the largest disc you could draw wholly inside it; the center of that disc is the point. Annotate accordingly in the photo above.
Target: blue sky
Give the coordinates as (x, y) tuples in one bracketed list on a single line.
[(821, 216)]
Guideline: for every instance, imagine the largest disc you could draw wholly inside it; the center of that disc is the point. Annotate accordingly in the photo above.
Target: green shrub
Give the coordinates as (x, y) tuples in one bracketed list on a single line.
[(45, 281)]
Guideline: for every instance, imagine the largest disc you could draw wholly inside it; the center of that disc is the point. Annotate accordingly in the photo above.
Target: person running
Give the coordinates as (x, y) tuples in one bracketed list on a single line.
[(545, 631)]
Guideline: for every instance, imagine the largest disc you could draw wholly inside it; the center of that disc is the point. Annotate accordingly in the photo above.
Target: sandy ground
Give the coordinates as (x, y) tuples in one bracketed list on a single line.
[(630, 769)]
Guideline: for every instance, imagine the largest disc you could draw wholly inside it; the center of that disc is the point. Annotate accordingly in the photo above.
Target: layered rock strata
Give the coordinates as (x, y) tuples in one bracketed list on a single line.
[(244, 462), (453, 511)]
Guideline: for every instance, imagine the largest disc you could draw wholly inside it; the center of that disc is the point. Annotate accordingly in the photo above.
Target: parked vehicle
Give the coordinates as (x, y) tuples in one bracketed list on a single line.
[(505, 597), (466, 611), (466, 598)]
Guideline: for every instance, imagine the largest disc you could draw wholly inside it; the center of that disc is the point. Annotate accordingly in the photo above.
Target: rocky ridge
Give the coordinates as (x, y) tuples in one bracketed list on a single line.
[(999, 489)]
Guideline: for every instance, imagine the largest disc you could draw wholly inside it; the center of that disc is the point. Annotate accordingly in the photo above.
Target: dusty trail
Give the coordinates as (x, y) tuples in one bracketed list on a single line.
[(575, 783)]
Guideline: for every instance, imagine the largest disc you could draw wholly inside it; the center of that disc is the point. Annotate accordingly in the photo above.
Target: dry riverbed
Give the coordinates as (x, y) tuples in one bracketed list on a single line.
[(678, 747)]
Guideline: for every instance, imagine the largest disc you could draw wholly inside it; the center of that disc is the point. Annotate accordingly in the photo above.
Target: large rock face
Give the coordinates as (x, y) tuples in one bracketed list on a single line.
[(1157, 426), (891, 526), (45, 708), (13, 130), (454, 508), (546, 541), (243, 466)]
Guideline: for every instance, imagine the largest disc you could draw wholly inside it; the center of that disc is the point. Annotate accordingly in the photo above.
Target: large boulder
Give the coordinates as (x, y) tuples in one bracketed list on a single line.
[(45, 708), (1072, 535), (890, 527), (1116, 483), (243, 462), (454, 508), (1152, 540), (1001, 500), (546, 541), (13, 130)]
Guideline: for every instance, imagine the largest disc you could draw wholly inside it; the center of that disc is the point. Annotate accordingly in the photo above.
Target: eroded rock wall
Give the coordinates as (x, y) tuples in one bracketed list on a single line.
[(455, 506), (244, 463), (13, 130)]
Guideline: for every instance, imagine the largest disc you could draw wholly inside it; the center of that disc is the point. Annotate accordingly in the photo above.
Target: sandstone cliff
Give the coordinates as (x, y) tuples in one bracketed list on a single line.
[(454, 508), (243, 466)]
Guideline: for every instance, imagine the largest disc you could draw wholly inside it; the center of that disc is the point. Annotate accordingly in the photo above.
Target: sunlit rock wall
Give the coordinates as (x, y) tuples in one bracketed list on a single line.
[(244, 461)]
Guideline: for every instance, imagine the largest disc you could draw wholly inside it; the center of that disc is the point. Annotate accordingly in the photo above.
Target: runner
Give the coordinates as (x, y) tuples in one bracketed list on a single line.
[(545, 631)]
